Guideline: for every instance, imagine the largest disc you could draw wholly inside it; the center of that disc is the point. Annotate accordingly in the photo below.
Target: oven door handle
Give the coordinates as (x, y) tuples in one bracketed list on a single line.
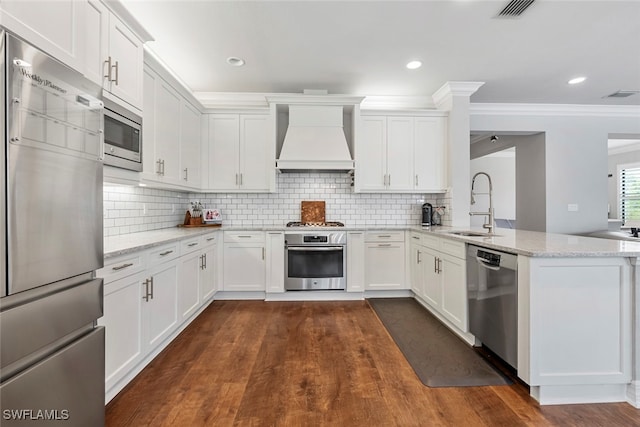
[(314, 248)]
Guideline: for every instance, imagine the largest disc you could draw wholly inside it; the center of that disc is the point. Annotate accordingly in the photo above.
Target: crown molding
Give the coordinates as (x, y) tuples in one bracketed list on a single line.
[(130, 21), (389, 102), (232, 100), (555, 110), (305, 99), (451, 89)]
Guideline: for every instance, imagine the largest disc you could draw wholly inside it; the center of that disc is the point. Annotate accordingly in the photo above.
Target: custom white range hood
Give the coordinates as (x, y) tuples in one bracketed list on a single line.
[(315, 140)]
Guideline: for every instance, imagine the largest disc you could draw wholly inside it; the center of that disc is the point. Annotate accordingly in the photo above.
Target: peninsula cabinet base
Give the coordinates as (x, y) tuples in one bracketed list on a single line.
[(567, 394)]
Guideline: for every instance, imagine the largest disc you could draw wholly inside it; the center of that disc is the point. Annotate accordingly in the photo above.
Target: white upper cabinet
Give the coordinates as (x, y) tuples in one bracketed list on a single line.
[(189, 145), (113, 54), (241, 153), (170, 134), (400, 154), (56, 27)]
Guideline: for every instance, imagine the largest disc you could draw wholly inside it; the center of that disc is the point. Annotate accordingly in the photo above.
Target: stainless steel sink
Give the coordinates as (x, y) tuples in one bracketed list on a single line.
[(472, 233)]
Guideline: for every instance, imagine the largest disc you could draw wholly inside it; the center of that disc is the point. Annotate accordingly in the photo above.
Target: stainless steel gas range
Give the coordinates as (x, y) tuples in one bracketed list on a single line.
[(315, 258)]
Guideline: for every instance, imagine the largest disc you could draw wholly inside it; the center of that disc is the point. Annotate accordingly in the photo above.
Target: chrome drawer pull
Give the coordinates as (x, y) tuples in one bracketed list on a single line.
[(192, 244), (166, 253), (120, 267)]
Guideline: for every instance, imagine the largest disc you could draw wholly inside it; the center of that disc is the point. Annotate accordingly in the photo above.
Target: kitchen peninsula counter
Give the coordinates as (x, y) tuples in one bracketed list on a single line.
[(539, 244)]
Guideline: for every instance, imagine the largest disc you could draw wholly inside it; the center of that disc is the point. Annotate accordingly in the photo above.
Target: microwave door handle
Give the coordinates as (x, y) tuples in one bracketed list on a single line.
[(487, 266)]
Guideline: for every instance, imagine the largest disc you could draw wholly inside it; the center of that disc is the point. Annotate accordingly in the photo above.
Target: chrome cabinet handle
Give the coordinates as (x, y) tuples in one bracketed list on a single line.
[(201, 262), (236, 179), (166, 253), (244, 237), (120, 267), (418, 257), (204, 259), (435, 265), (186, 174), (116, 67), (263, 250), (384, 235), (159, 170), (108, 63), (416, 180), (192, 244), (384, 245), (415, 237), (162, 167), (240, 179), (389, 180), (439, 266), (210, 239), (148, 295)]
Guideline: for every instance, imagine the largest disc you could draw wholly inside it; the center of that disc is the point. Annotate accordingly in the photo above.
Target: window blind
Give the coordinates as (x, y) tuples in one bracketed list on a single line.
[(630, 195)]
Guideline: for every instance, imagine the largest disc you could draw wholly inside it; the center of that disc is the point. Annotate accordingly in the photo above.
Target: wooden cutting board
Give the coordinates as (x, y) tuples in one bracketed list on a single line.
[(312, 212)]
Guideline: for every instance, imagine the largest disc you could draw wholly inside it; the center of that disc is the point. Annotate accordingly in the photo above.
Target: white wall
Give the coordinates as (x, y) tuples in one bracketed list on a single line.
[(575, 155), (501, 166)]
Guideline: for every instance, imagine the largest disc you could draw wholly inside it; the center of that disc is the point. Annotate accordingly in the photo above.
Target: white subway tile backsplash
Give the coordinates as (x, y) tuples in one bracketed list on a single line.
[(125, 207)]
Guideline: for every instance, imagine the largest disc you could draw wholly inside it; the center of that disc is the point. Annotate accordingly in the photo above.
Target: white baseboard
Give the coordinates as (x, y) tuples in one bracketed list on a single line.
[(582, 393), (633, 394)]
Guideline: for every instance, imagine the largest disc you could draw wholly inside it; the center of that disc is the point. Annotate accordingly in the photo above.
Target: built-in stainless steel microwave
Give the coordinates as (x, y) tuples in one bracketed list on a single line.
[(122, 137)]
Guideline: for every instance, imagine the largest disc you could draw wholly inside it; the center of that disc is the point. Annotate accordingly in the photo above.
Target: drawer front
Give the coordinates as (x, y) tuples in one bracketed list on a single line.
[(452, 247), (210, 239), (384, 236), (244, 237), (122, 266), (416, 238), (163, 254), (190, 245), (431, 241)]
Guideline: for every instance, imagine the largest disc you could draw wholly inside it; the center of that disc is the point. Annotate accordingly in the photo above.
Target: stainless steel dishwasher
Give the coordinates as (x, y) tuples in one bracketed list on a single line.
[(492, 291)]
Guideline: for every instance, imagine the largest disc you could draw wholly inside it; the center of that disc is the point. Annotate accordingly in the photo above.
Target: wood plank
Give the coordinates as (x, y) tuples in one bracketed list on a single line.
[(316, 363)]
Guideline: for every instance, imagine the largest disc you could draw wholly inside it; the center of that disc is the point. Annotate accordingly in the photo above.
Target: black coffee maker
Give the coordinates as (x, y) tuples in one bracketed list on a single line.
[(427, 212)]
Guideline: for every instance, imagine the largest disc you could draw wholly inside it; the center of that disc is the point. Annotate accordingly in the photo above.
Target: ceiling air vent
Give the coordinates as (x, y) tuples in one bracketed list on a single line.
[(622, 93), (515, 8)]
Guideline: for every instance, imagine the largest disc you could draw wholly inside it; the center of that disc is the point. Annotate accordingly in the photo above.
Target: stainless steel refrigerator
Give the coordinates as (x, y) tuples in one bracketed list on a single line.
[(51, 351)]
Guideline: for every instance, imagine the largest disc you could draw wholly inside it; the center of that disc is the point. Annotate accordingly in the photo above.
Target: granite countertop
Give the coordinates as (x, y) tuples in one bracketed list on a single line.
[(539, 244), (521, 242)]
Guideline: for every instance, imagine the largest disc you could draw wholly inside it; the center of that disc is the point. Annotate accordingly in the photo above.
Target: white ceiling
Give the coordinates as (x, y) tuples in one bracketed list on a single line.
[(361, 47)]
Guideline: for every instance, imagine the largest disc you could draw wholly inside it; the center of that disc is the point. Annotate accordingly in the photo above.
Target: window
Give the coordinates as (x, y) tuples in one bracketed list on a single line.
[(629, 194)]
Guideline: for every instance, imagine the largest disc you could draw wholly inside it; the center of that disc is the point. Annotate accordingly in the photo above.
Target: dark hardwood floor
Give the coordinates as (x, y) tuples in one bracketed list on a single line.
[(262, 363)]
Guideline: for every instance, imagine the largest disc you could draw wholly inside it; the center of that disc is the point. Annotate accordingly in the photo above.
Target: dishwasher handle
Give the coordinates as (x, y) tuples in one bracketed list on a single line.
[(487, 266)]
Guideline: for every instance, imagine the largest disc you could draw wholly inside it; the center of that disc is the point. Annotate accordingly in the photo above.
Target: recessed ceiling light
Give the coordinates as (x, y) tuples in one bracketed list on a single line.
[(577, 80), (414, 64), (235, 61)]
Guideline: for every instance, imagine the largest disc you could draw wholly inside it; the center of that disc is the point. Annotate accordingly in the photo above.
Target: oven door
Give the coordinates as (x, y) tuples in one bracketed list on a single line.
[(315, 268)]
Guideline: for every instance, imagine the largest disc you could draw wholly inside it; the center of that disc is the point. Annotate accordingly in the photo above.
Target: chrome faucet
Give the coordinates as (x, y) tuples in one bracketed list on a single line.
[(490, 223)]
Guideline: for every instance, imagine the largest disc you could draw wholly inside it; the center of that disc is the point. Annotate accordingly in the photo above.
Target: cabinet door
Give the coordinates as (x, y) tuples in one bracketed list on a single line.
[(122, 320), (188, 284), (161, 309), (224, 151), (355, 261), (432, 284), (167, 147), (371, 154), (384, 266), (256, 159), (189, 145), (416, 263), (208, 273), (454, 290), (275, 262), (400, 153), (244, 267), (150, 168), (429, 154), (125, 49), (96, 40), (56, 27)]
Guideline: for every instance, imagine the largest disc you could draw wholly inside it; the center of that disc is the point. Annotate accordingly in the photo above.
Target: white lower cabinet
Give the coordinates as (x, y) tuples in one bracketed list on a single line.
[(160, 304), (209, 267), (355, 261), (275, 261), (122, 320), (439, 276), (384, 260), (244, 261), (149, 296)]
